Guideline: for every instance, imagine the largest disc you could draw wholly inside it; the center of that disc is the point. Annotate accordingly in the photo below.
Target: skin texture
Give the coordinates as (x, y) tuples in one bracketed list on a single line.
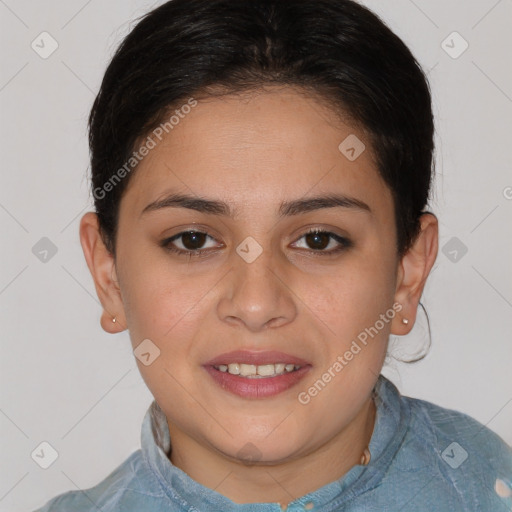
[(254, 152)]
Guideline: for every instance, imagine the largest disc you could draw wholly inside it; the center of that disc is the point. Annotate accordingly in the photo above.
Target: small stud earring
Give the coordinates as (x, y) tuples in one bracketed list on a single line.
[(405, 321), (114, 320)]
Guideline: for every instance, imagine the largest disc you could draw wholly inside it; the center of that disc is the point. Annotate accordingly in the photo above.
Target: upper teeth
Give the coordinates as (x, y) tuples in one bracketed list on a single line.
[(255, 371)]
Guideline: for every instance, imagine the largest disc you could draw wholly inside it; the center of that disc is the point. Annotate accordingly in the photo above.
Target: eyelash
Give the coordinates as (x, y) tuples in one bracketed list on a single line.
[(345, 243)]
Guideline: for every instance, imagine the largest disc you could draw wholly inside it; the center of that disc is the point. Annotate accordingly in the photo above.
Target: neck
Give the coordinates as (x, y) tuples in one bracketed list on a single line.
[(282, 481)]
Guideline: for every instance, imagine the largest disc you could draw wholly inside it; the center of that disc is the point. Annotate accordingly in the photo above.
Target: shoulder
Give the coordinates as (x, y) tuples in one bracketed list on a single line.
[(130, 487), (464, 455), (447, 427)]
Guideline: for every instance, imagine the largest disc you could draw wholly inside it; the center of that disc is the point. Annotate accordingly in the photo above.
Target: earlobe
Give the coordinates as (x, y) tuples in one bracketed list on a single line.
[(414, 268), (101, 264)]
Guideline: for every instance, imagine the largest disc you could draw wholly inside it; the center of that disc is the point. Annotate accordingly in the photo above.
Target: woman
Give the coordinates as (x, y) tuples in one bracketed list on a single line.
[(261, 171)]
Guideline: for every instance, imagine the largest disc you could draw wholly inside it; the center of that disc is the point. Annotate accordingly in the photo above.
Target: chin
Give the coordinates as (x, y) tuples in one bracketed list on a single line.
[(262, 450)]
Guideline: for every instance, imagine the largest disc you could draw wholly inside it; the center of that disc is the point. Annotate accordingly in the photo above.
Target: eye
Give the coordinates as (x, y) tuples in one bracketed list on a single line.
[(191, 243), (321, 241)]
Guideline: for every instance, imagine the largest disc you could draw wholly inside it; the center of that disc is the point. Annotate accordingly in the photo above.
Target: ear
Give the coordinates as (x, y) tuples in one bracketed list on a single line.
[(102, 266), (413, 271)]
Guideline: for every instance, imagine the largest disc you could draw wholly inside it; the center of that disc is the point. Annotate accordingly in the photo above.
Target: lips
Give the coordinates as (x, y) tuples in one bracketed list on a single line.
[(263, 386), (256, 358)]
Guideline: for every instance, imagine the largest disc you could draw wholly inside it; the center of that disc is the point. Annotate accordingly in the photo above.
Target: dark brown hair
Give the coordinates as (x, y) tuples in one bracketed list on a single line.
[(337, 49)]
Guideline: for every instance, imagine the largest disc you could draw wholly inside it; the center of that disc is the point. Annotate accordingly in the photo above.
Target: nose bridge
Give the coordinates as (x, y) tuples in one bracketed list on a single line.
[(257, 278), (256, 296)]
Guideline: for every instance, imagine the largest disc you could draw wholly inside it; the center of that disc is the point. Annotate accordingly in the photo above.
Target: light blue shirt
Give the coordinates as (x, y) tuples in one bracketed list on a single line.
[(423, 458)]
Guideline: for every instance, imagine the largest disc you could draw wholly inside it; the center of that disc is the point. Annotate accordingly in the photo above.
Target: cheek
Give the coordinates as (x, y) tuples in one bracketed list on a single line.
[(161, 301), (352, 297), (167, 309)]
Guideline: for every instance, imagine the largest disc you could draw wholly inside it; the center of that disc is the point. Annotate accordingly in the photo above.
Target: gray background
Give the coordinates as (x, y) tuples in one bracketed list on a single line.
[(66, 382)]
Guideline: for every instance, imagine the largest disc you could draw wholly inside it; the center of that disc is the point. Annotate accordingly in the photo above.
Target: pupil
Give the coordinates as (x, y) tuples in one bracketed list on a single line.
[(193, 240), (315, 240)]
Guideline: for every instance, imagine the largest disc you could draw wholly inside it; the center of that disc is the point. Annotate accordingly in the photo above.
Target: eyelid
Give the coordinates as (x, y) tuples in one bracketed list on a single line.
[(168, 242), (343, 243)]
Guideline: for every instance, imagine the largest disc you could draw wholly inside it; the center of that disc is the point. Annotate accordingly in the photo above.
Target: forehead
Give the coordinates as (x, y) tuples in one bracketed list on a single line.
[(259, 147)]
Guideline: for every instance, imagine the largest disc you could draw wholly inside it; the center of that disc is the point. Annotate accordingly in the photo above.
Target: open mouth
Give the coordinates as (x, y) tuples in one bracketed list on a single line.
[(256, 373), (252, 371)]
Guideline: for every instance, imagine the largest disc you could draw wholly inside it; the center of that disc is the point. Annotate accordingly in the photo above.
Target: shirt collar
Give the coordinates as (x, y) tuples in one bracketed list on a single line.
[(391, 424)]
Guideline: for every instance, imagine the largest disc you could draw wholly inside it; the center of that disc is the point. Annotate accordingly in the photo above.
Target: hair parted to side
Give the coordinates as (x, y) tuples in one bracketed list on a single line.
[(337, 50)]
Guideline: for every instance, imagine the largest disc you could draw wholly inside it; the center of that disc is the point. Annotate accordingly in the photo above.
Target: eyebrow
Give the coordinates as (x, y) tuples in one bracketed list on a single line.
[(286, 209)]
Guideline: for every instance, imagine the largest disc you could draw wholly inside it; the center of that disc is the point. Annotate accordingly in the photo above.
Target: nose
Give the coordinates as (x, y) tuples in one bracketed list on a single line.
[(257, 295)]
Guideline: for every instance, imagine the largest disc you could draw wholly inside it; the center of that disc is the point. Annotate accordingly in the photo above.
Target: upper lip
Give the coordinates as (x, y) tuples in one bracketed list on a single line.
[(256, 357)]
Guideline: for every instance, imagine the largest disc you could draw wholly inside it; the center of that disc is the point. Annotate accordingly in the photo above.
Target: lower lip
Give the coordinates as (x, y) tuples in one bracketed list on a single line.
[(261, 387)]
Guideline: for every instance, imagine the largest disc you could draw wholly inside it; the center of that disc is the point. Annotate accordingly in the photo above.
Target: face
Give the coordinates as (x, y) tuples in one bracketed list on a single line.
[(263, 278)]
